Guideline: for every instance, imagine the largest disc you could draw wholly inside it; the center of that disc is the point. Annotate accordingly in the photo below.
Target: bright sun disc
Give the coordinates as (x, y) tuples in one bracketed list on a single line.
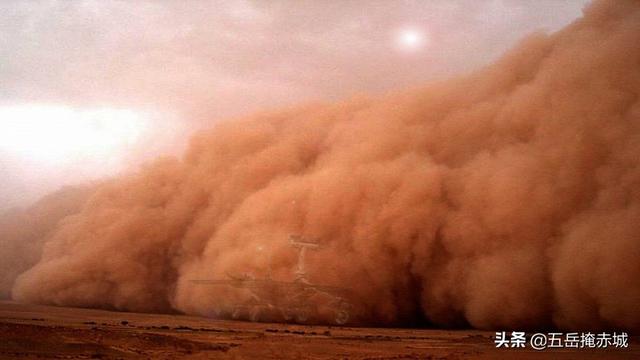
[(410, 39)]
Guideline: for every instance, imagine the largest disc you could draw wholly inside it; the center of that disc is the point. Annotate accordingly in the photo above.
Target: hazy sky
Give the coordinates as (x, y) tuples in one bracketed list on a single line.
[(86, 84)]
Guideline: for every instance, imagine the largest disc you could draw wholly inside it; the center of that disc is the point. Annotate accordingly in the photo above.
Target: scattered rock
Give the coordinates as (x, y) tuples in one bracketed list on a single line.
[(183, 328)]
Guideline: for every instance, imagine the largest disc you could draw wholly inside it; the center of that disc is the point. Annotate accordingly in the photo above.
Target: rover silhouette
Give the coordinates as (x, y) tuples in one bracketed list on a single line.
[(290, 301)]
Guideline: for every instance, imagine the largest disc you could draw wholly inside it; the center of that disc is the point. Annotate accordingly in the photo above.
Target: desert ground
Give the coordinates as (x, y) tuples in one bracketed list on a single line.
[(46, 332)]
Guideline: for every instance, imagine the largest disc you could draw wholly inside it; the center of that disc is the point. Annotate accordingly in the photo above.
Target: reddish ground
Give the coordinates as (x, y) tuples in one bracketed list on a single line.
[(45, 332)]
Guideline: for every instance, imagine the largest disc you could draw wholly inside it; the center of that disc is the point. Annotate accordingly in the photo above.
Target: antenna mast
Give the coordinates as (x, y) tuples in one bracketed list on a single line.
[(299, 242)]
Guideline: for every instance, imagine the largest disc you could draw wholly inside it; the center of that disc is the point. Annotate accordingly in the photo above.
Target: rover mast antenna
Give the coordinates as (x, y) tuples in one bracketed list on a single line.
[(298, 242)]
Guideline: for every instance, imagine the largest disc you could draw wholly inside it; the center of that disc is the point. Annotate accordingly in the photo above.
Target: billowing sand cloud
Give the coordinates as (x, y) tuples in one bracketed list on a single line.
[(506, 199), (23, 232)]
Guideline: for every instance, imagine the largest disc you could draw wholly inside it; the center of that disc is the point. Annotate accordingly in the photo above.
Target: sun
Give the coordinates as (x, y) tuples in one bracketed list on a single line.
[(411, 39), (58, 134)]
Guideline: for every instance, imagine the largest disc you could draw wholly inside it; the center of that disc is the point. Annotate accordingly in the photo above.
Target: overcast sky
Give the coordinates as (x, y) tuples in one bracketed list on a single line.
[(173, 61)]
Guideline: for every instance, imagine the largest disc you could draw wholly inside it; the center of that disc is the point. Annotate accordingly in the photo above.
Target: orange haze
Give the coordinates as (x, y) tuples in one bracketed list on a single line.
[(509, 198)]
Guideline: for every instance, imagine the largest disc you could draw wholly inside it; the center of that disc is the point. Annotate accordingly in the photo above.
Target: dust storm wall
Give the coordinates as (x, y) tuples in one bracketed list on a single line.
[(507, 198)]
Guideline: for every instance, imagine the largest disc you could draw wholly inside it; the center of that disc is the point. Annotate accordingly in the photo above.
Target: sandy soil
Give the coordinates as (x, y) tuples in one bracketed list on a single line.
[(37, 332)]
